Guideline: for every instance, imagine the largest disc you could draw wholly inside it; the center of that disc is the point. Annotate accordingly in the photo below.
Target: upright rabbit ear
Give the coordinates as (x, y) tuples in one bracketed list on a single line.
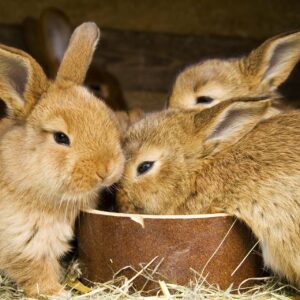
[(274, 60), (226, 123), (79, 54), (22, 81)]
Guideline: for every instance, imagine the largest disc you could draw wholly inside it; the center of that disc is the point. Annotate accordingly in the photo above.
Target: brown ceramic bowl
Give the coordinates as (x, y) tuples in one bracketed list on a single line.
[(213, 245)]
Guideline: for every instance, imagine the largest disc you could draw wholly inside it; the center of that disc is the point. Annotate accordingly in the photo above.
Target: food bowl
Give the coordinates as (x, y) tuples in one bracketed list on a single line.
[(179, 248)]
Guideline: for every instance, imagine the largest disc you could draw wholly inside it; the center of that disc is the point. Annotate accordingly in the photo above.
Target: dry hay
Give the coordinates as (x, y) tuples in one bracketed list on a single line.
[(121, 288)]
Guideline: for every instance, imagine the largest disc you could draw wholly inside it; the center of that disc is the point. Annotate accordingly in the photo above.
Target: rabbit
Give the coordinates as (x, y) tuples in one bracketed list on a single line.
[(259, 74), (225, 158), (59, 146)]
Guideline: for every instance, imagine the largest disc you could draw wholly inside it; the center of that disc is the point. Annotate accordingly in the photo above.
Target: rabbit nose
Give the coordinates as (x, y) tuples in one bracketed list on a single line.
[(102, 172), (110, 172)]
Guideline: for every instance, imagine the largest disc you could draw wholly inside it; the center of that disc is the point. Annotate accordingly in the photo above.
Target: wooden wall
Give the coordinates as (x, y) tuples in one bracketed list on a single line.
[(146, 43), (248, 18)]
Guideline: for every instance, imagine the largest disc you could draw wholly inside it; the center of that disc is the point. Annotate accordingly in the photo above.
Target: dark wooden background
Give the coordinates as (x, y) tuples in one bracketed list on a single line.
[(146, 43)]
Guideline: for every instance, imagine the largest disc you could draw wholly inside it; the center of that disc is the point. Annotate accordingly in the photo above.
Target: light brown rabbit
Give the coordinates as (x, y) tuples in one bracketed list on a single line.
[(259, 74), (222, 159), (59, 146)]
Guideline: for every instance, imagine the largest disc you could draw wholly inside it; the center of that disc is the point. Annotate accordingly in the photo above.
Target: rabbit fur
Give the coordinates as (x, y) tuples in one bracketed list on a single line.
[(226, 158)]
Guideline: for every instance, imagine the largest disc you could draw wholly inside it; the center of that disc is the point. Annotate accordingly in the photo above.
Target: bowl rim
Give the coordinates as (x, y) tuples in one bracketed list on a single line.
[(167, 217)]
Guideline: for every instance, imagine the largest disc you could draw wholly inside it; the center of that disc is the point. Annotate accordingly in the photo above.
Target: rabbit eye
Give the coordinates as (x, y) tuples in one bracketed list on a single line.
[(204, 100), (144, 167), (61, 138), (95, 87)]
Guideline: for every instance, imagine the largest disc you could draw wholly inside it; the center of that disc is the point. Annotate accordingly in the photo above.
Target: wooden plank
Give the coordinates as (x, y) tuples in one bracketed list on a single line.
[(149, 62), (12, 35), (255, 18)]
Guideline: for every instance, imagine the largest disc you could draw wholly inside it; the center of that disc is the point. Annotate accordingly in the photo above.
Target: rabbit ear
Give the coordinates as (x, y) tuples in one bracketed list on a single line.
[(275, 59), (229, 121), (22, 81), (55, 33), (79, 54)]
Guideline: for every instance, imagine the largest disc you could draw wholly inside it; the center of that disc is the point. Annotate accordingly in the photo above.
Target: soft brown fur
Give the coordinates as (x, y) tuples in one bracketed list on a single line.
[(223, 159), (43, 184), (258, 74), (129, 117)]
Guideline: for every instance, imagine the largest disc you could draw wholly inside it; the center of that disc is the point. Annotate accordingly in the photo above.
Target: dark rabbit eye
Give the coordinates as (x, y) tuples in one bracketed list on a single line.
[(95, 87), (144, 167), (204, 100), (61, 138)]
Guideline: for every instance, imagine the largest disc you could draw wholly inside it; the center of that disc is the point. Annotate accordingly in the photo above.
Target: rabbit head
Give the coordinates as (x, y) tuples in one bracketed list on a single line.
[(63, 142), (165, 150), (259, 74)]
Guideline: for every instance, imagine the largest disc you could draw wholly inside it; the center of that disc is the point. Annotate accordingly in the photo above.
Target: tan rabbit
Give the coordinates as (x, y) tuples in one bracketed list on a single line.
[(222, 159), (59, 146), (259, 74)]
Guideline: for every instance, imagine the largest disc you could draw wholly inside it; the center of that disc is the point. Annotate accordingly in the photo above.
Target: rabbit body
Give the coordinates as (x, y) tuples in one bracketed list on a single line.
[(223, 159), (59, 146)]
